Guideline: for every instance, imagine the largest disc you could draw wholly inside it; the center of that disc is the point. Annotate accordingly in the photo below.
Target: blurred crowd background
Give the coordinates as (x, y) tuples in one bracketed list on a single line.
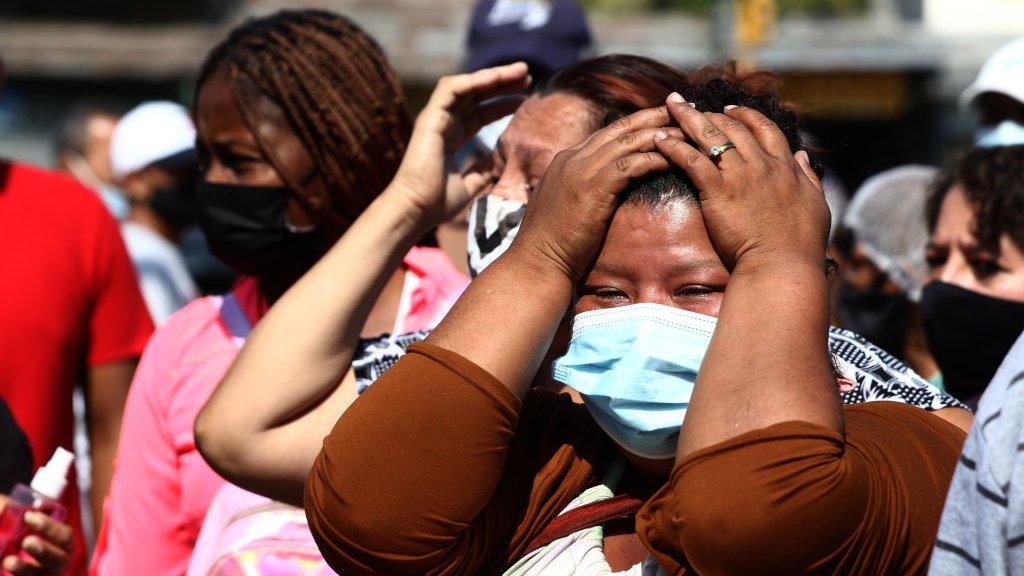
[(886, 74), (889, 91)]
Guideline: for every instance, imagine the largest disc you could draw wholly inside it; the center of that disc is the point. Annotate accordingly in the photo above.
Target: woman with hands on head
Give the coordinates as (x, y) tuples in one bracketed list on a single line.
[(691, 245)]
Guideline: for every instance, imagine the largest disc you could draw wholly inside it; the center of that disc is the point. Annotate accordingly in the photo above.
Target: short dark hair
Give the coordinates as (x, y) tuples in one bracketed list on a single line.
[(993, 181), (74, 126), (616, 85), (619, 84), (711, 89)]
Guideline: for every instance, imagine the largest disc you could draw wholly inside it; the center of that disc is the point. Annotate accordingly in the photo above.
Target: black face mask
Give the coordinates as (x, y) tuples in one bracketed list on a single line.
[(880, 318), (176, 206), (969, 334), (245, 227)]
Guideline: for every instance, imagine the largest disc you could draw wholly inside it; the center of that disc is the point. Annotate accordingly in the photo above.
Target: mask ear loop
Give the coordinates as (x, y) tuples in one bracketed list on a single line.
[(295, 188)]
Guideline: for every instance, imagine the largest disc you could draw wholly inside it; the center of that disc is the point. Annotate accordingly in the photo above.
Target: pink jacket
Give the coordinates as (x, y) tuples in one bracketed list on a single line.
[(162, 487)]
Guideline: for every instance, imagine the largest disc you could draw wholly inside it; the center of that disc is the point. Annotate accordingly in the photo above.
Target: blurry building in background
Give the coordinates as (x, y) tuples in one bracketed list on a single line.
[(878, 78)]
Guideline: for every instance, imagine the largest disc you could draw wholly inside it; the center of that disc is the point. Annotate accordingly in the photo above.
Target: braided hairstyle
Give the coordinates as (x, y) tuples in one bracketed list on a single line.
[(339, 95)]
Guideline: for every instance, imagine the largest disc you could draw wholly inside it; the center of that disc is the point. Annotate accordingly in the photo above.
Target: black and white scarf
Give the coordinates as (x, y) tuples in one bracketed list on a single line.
[(871, 373)]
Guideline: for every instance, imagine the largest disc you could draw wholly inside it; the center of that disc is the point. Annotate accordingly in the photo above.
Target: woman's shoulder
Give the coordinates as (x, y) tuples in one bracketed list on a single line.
[(903, 433), (191, 324), (867, 373), (188, 340)]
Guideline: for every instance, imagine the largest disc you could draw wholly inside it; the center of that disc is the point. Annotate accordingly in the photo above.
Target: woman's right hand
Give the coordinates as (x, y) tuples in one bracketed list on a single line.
[(46, 551), (570, 211), (459, 106)]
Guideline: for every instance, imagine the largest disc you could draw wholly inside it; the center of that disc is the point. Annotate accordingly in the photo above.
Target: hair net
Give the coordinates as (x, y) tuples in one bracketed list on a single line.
[(887, 218)]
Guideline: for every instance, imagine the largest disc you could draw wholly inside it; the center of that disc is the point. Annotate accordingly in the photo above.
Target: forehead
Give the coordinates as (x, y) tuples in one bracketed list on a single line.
[(956, 217), (218, 117), (549, 123), (644, 240), (216, 109), (100, 125)]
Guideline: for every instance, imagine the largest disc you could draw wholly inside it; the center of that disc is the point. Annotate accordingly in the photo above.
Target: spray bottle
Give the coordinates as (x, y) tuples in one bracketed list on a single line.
[(43, 495)]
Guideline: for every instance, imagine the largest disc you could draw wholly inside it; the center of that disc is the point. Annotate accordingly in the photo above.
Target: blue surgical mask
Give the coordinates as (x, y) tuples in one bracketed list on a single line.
[(115, 201), (635, 367), (113, 198), (1006, 133)]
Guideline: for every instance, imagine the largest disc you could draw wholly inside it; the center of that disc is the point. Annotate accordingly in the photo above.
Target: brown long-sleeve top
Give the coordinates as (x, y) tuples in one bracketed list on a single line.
[(439, 469)]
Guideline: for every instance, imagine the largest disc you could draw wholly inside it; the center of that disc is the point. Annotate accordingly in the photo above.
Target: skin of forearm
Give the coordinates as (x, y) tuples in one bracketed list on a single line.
[(102, 452), (767, 362), (105, 393), (298, 354), (293, 449), (507, 318)]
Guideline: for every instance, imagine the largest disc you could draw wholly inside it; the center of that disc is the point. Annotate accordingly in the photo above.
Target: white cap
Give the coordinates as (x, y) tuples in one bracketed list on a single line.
[(150, 132), (50, 480), (1003, 72)]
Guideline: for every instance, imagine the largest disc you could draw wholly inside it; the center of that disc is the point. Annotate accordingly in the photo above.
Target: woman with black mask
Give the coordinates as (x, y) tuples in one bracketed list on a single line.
[(973, 306), (301, 127)]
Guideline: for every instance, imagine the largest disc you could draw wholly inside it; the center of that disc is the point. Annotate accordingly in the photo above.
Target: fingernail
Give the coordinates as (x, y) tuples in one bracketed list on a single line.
[(34, 519), (33, 545), (660, 135), (676, 97), (11, 563), (730, 106), (804, 154), (692, 105)]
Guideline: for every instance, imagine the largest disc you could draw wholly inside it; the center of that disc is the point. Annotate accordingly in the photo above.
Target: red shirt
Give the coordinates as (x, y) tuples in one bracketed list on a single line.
[(68, 301)]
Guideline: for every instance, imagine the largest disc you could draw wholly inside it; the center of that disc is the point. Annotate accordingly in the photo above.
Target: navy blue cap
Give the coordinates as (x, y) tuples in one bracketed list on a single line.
[(546, 34)]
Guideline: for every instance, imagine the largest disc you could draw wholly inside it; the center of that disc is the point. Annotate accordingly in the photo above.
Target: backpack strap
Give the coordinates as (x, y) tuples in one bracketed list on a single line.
[(233, 317), (586, 516)]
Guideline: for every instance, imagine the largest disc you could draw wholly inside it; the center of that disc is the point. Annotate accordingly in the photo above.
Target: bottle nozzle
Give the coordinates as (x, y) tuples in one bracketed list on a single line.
[(51, 479)]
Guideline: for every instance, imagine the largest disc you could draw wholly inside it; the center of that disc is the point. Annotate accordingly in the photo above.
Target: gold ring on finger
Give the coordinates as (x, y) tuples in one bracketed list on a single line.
[(716, 151)]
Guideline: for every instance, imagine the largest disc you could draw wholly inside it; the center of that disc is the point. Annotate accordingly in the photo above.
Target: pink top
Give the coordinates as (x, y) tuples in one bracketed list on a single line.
[(162, 486)]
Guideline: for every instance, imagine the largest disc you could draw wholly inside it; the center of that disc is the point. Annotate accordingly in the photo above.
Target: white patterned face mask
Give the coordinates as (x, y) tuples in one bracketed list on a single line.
[(493, 224)]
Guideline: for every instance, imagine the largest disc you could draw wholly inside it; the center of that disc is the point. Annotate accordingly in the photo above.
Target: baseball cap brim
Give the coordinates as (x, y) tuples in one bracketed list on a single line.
[(534, 51), (179, 161)]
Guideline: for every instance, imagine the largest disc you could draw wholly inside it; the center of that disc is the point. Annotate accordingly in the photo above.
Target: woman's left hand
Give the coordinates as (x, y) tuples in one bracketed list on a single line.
[(758, 199), (47, 550), (459, 106)]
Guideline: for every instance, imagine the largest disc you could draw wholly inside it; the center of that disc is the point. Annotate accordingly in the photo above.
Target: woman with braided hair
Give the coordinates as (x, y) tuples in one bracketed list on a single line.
[(301, 128)]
